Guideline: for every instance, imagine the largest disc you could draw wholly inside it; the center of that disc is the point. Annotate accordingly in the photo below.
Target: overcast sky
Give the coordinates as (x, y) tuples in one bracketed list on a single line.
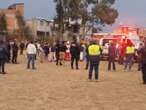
[(132, 12)]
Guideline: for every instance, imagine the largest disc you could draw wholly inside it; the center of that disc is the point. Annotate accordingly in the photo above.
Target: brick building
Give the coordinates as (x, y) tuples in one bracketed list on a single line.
[(10, 14)]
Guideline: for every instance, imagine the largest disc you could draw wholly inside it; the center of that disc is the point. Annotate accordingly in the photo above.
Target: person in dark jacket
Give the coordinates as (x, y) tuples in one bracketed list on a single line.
[(87, 57), (75, 54), (142, 54), (46, 50), (57, 51), (15, 49), (138, 56), (111, 56), (3, 57), (8, 46), (22, 46)]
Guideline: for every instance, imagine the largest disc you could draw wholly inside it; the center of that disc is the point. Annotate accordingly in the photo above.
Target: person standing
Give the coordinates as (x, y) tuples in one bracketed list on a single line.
[(52, 56), (57, 52), (87, 57), (130, 52), (94, 57), (21, 46), (67, 53), (46, 50), (75, 54), (31, 53), (3, 57), (8, 46), (15, 49), (111, 56), (138, 56), (41, 53), (62, 53), (142, 54), (81, 52)]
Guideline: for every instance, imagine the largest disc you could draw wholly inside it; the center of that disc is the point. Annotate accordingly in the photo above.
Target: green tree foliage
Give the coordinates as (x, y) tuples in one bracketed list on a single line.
[(21, 23), (3, 22), (23, 30), (89, 11)]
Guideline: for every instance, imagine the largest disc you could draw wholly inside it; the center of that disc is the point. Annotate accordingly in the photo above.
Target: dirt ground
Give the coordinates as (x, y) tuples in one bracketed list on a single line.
[(60, 88)]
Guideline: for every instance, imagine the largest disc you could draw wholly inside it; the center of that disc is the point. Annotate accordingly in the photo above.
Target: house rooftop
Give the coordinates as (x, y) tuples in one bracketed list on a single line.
[(14, 5)]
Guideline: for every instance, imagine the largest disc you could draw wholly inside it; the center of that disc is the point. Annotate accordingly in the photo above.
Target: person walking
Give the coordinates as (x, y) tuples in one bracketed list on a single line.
[(3, 57), (15, 49), (111, 56), (130, 52), (75, 54), (31, 53), (142, 54)]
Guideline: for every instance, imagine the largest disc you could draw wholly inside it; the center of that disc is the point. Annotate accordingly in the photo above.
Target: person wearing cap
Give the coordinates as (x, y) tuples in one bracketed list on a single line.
[(94, 57), (130, 52), (142, 54)]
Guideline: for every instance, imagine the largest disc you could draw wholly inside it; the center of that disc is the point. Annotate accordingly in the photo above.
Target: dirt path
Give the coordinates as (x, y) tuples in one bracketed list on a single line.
[(60, 88)]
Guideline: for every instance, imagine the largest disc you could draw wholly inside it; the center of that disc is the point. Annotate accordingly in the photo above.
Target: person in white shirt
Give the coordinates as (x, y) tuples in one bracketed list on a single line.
[(31, 54)]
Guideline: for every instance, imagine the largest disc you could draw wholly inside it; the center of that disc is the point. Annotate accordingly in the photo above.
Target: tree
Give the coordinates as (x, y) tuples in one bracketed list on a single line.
[(3, 22), (93, 12), (3, 25), (21, 24)]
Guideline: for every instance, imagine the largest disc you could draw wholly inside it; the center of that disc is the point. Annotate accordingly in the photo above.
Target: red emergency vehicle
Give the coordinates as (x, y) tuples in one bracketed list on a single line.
[(121, 41)]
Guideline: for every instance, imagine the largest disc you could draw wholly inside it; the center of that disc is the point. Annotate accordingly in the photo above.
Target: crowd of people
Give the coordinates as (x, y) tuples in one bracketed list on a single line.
[(74, 52)]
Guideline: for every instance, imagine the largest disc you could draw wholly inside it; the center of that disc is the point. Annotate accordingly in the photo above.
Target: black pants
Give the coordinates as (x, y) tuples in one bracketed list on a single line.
[(76, 59), (21, 51), (2, 66), (111, 62), (87, 62), (144, 72), (9, 56), (58, 60), (95, 67), (14, 58), (139, 66)]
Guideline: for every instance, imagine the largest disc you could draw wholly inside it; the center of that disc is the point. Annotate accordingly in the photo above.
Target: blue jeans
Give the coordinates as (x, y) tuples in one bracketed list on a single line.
[(128, 62), (31, 59)]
